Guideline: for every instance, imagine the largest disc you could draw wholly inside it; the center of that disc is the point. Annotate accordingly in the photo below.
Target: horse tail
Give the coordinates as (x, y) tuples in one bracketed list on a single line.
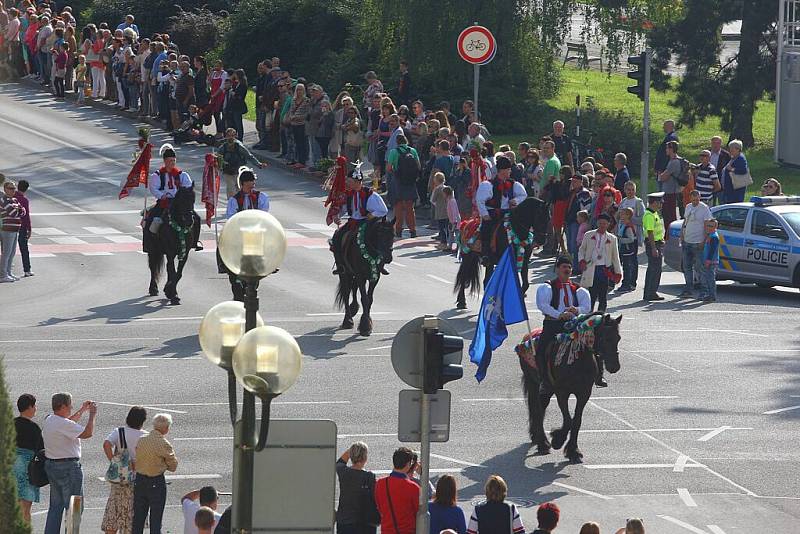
[(343, 291), (468, 277), (156, 263)]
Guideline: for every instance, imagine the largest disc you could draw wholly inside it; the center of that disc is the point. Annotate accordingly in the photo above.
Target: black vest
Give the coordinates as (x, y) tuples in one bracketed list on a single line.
[(496, 201), (239, 196), (573, 294), (494, 518), (365, 193)]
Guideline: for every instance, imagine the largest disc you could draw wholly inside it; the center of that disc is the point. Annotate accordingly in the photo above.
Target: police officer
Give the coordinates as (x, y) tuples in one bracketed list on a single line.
[(495, 198), (653, 228)]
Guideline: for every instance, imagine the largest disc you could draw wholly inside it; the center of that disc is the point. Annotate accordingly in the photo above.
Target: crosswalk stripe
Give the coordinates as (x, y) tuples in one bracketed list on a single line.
[(97, 253), (49, 231), (68, 241), (101, 230), (122, 239)]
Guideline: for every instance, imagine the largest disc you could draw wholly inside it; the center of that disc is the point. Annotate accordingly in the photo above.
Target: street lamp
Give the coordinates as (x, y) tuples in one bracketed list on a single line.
[(265, 360)]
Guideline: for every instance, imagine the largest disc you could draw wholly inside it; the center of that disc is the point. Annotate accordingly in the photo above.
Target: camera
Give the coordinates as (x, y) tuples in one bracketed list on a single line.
[(694, 166)]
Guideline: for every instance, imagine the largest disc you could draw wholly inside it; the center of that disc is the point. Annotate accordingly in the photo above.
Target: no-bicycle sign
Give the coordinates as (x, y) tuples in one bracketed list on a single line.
[(476, 45)]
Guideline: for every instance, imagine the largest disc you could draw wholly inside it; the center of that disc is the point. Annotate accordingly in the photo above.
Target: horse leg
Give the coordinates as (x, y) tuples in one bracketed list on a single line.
[(353, 309), (559, 436), (526, 262), (169, 287), (365, 325), (156, 263), (486, 275), (461, 300), (344, 280), (535, 414), (178, 275), (571, 450)]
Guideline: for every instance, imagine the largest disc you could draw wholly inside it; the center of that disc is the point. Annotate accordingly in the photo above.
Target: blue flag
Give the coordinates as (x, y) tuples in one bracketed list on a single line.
[(502, 305)]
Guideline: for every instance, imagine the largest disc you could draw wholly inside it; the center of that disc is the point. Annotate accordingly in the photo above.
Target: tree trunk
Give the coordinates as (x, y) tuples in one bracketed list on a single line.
[(748, 86)]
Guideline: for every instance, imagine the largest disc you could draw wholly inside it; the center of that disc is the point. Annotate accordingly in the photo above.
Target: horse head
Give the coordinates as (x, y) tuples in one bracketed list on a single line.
[(532, 213), (182, 204), (380, 237), (607, 339)]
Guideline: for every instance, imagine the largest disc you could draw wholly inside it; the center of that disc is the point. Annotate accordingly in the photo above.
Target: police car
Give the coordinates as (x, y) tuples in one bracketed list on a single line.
[(759, 241)]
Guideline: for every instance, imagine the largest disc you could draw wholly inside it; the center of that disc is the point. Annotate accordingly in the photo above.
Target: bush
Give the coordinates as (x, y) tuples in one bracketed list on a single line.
[(197, 32), (9, 506), (152, 16)]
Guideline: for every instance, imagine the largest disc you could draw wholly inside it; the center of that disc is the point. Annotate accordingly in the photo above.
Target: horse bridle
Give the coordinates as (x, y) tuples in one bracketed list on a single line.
[(596, 346)]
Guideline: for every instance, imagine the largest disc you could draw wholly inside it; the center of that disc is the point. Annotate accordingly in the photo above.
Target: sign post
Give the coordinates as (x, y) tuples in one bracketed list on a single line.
[(476, 45), (424, 354), (646, 126)]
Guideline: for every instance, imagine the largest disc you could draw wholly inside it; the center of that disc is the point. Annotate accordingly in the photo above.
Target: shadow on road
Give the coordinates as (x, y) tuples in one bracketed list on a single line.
[(117, 312)]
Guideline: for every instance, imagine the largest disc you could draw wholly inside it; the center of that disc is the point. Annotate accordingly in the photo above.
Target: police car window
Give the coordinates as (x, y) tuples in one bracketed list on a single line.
[(731, 219), (767, 225), (794, 221)]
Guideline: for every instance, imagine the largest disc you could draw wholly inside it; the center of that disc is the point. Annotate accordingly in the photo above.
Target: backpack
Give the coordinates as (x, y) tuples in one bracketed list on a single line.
[(407, 165), (683, 177)]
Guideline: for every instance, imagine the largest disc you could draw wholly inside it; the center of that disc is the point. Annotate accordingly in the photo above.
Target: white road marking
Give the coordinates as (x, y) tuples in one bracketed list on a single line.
[(581, 490), (439, 279), (101, 368), (456, 461), (97, 253), (674, 450), (397, 264), (680, 463), (101, 230), (293, 235), (57, 200), (78, 340), (680, 523), (68, 241), (87, 213), (225, 403), (740, 332), (198, 476), (155, 319), (311, 247), (686, 497), (636, 466), (333, 314), (742, 312), (781, 410), (132, 405), (116, 359), (517, 399), (48, 231), (633, 353), (202, 438), (42, 255), (713, 433), (454, 470), (710, 351), (368, 435), (122, 239), (381, 348), (715, 529)]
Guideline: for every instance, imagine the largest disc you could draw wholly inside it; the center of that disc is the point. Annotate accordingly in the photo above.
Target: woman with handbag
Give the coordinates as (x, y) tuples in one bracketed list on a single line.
[(29, 442), (357, 513), (735, 175), (120, 449)]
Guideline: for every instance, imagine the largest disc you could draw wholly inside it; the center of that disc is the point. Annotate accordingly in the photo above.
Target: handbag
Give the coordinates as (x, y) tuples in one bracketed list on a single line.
[(741, 180), (37, 476), (119, 470), (369, 512)]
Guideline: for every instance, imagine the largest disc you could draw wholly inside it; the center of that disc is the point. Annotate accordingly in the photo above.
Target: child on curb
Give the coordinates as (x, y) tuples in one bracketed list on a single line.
[(80, 79), (453, 217), (708, 293), (439, 203), (628, 249), (60, 69)]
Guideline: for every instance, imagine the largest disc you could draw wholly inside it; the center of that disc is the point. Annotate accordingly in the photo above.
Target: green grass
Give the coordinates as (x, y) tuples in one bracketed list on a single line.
[(609, 94)]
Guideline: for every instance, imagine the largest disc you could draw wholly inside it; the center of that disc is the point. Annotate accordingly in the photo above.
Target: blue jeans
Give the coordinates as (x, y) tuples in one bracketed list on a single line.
[(66, 480), (572, 243), (315, 152), (708, 280), (149, 496), (692, 252), (444, 230), (630, 271)]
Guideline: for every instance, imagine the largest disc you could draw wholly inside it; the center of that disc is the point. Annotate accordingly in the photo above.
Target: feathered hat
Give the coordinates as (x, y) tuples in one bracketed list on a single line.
[(167, 151), (246, 174)]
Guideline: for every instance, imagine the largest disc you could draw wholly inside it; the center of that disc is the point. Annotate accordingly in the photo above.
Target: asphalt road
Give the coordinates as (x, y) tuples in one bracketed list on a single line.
[(697, 433)]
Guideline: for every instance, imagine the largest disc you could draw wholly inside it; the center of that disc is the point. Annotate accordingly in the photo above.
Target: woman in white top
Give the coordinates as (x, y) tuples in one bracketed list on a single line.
[(636, 205), (118, 516)]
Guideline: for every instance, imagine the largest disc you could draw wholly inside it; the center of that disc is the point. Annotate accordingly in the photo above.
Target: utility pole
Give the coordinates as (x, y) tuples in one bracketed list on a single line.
[(641, 73)]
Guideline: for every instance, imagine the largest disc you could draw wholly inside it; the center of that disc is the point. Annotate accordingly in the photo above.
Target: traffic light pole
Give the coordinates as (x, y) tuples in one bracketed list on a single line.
[(423, 516), (645, 159)]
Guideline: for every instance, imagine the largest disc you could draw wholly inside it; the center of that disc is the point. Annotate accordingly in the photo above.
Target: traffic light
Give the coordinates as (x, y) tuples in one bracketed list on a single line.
[(641, 64), (442, 360)]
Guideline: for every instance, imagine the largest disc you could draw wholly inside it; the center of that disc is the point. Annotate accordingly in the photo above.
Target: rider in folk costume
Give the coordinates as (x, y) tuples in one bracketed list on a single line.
[(494, 199), (559, 300), (248, 198), (164, 185), (361, 206)]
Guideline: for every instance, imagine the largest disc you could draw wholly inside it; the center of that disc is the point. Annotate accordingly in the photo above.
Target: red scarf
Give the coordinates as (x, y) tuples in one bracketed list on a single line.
[(172, 179), (564, 286)]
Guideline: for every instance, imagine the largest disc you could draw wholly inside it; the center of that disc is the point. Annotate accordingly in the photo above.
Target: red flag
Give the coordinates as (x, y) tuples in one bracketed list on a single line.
[(139, 172), (210, 186), (337, 197)]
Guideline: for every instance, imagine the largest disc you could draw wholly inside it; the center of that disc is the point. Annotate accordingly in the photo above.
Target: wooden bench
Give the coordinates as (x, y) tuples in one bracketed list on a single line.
[(577, 52)]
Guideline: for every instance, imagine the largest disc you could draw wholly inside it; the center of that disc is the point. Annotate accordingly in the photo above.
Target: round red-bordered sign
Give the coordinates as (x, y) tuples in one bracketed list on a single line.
[(476, 45)]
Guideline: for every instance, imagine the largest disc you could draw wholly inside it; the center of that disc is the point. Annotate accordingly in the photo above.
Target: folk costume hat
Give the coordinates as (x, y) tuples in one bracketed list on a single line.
[(561, 260), (246, 174), (502, 162), (167, 151)]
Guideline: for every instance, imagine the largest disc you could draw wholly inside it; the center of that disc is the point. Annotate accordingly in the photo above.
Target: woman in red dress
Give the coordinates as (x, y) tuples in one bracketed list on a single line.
[(216, 81)]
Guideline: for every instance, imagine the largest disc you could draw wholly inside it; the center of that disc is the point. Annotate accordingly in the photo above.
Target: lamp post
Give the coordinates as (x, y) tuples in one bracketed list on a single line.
[(265, 360)]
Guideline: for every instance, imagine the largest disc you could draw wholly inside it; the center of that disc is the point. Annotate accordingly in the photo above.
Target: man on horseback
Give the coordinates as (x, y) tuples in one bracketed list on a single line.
[(362, 206), (247, 198), (495, 198), (559, 300), (164, 185)]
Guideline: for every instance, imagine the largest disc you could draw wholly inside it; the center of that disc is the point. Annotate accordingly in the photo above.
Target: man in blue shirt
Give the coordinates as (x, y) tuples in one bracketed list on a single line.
[(662, 158), (129, 24), (710, 262), (621, 174)]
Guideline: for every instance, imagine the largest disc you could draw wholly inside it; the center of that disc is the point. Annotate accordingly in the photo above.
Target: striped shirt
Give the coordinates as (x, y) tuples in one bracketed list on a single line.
[(154, 455), (11, 213), (704, 181)]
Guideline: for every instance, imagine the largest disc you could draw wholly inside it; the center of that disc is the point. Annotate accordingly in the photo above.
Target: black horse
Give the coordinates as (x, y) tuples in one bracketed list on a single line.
[(175, 237), (530, 214), (361, 270), (575, 379)]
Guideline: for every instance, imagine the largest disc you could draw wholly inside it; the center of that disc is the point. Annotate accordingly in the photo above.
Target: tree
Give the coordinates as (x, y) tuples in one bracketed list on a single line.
[(152, 16), (9, 506), (197, 31)]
